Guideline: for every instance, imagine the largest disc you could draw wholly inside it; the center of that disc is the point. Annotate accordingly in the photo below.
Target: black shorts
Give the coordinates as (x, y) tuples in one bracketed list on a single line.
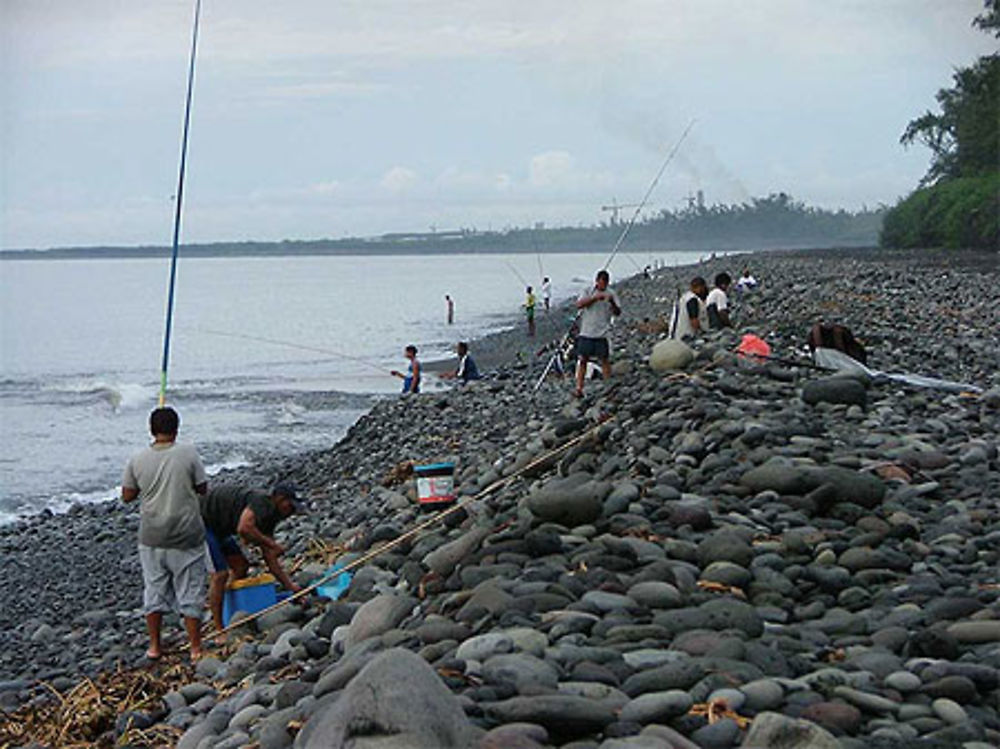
[(592, 348)]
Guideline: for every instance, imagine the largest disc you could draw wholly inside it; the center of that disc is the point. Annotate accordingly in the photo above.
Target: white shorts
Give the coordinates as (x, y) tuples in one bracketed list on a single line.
[(173, 580)]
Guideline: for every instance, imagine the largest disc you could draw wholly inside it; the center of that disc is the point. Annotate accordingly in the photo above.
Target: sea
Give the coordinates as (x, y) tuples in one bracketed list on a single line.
[(269, 355)]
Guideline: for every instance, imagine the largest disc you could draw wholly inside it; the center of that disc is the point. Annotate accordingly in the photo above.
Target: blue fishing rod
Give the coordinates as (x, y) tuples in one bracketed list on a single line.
[(177, 207)]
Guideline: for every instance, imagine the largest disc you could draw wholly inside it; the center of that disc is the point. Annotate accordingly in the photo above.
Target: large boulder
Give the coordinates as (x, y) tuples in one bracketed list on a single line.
[(378, 616), (445, 557), (395, 702), (574, 500), (564, 716), (669, 355), (840, 390), (776, 730), (781, 475)]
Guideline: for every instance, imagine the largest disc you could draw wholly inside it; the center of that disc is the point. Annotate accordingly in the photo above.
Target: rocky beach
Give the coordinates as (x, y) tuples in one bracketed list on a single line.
[(714, 553)]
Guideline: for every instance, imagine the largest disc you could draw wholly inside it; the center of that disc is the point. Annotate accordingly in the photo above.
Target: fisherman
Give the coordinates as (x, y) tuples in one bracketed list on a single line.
[(411, 380), (746, 281), (250, 514), (529, 311), (466, 369), (690, 316), (167, 479), (451, 309), (547, 293), (597, 306), (717, 303)]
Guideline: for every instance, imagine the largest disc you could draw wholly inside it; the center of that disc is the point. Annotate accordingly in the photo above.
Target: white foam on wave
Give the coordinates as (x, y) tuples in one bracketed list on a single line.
[(230, 463), (61, 504), (120, 396), (291, 414)]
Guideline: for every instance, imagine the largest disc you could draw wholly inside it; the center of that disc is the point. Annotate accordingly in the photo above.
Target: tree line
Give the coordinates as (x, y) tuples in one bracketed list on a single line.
[(772, 222), (957, 203)]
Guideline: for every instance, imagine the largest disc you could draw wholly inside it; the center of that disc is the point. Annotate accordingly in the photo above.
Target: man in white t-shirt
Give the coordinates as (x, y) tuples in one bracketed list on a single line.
[(746, 281), (690, 317), (597, 306), (717, 303), (547, 293)]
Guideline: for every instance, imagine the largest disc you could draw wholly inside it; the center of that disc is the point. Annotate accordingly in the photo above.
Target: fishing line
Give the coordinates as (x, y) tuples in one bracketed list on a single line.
[(614, 251), (517, 273), (177, 208), (642, 203), (276, 342)]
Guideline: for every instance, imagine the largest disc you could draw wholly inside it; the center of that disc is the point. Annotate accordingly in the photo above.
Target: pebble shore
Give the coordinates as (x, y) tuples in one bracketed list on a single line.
[(730, 554)]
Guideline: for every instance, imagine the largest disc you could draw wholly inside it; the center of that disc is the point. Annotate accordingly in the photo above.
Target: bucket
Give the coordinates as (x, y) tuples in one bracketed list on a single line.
[(251, 594), (435, 484)]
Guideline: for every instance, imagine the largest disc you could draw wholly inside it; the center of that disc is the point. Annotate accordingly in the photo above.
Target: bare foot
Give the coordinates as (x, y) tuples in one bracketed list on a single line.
[(197, 655), (153, 655)]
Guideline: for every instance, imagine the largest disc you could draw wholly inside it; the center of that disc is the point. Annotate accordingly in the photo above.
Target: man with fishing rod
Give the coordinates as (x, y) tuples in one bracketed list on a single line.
[(597, 306)]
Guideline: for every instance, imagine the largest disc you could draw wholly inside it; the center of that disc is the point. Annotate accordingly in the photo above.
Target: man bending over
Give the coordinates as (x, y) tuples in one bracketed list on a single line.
[(231, 511)]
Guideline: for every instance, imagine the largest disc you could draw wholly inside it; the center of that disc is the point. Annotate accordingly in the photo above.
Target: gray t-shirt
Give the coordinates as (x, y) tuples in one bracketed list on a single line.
[(595, 320), (166, 475)]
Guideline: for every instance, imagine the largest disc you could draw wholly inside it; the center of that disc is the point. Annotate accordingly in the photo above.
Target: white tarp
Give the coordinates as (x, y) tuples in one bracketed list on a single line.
[(844, 364)]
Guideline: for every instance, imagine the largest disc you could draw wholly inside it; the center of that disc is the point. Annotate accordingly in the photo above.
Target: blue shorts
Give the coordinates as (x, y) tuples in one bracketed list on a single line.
[(219, 549), (592, 348)]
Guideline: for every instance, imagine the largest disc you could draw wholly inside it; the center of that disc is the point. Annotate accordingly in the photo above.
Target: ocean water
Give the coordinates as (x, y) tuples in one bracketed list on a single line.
[(269, 355)]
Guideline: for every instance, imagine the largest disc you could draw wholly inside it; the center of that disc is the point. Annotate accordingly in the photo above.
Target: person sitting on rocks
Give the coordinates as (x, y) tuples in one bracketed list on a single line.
[(597, 307), (690, 315), (167, 478), (746, 281), (466, 369), (232, 511), (717, 303), (411, 380)]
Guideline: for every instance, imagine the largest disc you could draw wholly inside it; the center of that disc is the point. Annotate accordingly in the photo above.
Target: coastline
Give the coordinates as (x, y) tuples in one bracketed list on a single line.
[(675, 468)]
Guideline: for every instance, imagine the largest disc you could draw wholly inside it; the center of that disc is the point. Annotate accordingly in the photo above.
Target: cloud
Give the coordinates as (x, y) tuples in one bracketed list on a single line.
[(550, 168), (326, 188), (399, 179)]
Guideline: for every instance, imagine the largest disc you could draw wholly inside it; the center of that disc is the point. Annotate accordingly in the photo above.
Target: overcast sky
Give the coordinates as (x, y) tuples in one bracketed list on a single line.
[(326, 118)]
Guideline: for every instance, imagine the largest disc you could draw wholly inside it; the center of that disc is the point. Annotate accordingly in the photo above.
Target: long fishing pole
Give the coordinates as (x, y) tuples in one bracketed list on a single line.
[(517, 273), (618, 244), (303, 347), (645, 199), (177, 207)]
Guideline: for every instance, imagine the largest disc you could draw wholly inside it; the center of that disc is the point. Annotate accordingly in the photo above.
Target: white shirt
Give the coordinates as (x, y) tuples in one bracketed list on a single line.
[(719, 299), (547, 290), (595, 320), (746, 282), (682, 326)]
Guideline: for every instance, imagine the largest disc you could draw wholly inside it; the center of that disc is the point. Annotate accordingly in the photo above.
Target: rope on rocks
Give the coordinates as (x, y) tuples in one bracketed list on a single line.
[(415, 530)]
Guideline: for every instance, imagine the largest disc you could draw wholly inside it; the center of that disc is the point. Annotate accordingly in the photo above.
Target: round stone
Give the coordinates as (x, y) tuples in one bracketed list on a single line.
[(903, 681), (949, 711)]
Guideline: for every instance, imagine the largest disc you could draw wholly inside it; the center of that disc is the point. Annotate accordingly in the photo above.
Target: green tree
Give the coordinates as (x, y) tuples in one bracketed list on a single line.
[(989, 18), (957, 203), (964, 138)]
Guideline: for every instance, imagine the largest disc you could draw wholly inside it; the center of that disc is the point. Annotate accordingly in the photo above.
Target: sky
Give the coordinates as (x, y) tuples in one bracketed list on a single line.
[(334, 118)]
